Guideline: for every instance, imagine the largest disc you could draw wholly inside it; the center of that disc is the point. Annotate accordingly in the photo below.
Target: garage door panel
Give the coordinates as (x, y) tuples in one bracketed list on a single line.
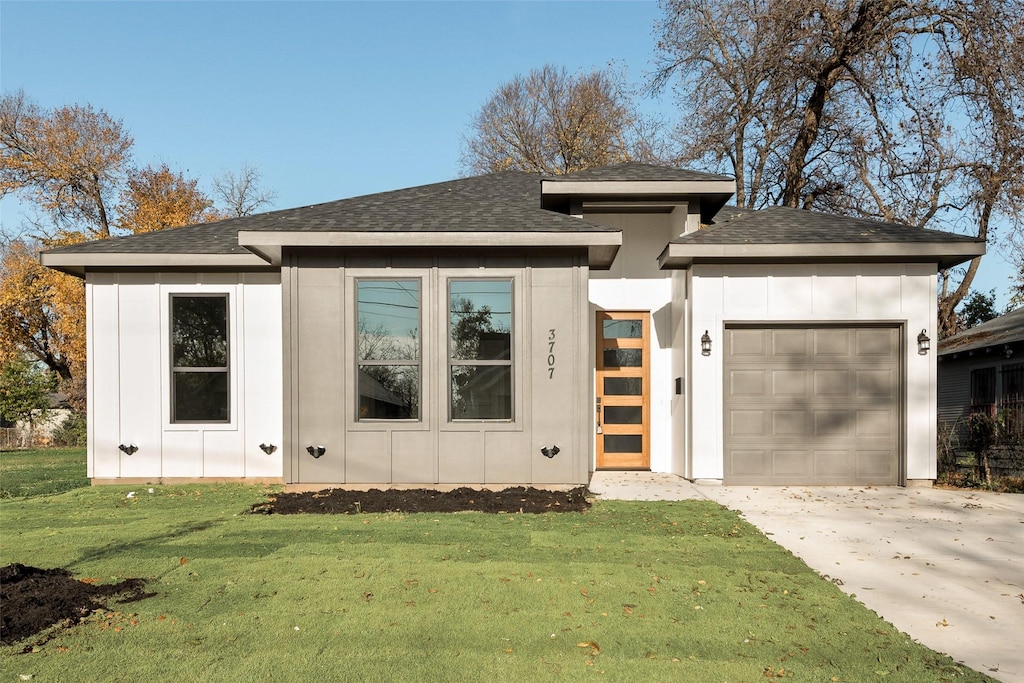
[(831, 410), (833, 423), (874, 423), (831, 342), (831, 383), (876, 342), (834, 464), (789, 382), (790, 423), (791, 463), (786, 342), (747, 343), (875, 383), (748, 423), (875, 464), (750, 462), (747, 382)]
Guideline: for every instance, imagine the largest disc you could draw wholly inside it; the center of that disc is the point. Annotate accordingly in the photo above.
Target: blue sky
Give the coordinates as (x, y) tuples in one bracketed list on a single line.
[(327, 99)]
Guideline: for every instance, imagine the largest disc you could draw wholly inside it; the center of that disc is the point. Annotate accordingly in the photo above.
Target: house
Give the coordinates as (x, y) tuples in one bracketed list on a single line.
[(981, 370), (516, 329)]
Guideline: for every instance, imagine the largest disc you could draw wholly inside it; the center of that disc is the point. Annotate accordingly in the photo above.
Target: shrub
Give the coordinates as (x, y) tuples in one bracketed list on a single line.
[(71, 432)]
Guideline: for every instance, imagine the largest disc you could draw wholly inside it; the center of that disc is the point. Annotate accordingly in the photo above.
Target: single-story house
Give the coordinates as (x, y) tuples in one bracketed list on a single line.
[(517, 329), (981, 369)]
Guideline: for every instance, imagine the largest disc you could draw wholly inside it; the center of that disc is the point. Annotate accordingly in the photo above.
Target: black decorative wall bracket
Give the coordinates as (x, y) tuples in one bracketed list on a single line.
[(316, 451)]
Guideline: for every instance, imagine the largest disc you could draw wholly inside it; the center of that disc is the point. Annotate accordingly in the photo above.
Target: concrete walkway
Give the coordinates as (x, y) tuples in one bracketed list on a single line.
[(945, 567)]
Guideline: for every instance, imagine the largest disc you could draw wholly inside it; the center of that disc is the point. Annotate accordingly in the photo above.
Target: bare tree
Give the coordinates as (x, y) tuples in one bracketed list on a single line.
[(550, 121), (903, 110), (241, 194)]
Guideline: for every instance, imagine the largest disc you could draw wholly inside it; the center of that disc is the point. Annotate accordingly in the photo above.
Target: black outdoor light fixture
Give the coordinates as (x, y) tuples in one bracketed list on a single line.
[(316, 451), (923, 343), (129, 449), (268, 448), (705, 344)]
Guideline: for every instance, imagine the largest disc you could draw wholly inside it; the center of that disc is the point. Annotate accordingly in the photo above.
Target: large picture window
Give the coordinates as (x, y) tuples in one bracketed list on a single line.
[(388, 349), (480, 349), (199, 358)]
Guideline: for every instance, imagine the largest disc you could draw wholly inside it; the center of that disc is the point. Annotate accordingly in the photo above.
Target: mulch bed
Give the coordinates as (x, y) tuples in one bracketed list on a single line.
[(35, 599), (344, 502)]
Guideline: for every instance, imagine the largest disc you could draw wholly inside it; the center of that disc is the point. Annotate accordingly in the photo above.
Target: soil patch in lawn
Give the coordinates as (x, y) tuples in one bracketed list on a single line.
[(35, 599), (342, 501)]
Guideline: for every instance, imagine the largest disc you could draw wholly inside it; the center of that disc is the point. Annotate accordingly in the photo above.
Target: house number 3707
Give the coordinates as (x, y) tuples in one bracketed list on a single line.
[(551, 353)]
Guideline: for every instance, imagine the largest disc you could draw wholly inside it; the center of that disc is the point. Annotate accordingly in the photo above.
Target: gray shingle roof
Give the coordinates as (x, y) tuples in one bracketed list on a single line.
[(783, 225), (1006, 329), (634, 171), (505, 201)]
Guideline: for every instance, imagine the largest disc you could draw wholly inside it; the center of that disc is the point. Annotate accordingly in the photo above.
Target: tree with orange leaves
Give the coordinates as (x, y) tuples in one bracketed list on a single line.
[(74, 163), (158, 198)]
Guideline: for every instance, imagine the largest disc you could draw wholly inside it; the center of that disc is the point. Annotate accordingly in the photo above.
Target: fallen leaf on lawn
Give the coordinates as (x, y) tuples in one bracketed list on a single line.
[(184, 560), (433, 590), (627, 609), (595, 649)]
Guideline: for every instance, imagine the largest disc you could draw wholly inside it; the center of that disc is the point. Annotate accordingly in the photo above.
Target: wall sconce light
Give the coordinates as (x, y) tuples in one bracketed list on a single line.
[(316, 451), (923, 343), (550, 452), (129, 449), (705, 344), (1008, 351), (268, 448)]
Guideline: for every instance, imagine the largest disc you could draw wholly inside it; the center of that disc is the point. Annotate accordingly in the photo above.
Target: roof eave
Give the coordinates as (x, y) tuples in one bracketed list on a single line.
[(601, 245), (76, 263), (943, 254)]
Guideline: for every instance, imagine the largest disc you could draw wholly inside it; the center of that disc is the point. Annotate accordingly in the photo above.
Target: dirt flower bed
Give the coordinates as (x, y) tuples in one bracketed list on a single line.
[(343, 501), (35, 599)]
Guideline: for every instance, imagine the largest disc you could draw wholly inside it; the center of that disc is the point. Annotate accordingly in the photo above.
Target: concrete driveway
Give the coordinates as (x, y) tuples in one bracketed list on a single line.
[(945, 567)]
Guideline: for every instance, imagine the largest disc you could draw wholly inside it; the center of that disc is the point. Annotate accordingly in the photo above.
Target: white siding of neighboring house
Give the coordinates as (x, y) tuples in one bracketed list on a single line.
[(129, 379), (901, 294)]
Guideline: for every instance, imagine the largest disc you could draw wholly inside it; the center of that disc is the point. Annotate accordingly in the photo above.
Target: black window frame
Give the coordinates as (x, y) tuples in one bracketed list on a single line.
[(176, 370)]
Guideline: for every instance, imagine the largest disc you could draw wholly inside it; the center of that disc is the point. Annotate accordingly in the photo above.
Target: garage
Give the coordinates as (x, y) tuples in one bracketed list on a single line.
[(812, 404)]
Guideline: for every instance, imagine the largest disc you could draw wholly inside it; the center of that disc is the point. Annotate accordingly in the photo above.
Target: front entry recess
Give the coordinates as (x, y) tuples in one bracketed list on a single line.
[(623, 408)]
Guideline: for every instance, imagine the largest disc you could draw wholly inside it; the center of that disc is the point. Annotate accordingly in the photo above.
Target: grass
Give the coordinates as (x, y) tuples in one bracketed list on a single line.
[(41, 472), (682, 591)]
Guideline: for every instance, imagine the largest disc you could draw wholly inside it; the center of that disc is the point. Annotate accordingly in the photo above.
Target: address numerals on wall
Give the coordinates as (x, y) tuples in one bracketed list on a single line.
[(551, 353)]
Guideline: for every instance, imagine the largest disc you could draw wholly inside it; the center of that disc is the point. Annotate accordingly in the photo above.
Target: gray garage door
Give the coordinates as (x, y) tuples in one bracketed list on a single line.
[(812, 405)]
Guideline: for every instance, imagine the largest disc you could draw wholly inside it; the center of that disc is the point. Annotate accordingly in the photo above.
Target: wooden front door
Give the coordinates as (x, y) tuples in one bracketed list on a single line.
[(623, 390)]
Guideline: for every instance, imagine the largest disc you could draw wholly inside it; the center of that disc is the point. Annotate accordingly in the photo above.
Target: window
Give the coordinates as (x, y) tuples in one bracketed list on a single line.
[(983, 390), (480, 349), (199, 358), (388, 349)]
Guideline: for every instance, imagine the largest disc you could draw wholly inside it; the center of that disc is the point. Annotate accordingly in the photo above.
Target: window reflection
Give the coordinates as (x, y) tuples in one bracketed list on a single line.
[(388, 349), (480, 348)]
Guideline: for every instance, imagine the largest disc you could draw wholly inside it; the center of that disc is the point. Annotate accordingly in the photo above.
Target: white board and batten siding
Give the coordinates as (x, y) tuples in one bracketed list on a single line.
[(900, 297), (129, 397)]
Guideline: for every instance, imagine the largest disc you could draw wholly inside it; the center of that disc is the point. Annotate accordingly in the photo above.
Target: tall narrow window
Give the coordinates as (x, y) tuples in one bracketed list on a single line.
[(388, 349), (480, 349), (199, 358)]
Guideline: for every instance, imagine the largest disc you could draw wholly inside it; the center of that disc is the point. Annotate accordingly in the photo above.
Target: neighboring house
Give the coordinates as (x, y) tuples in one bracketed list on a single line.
[(517, 330), (21, 434), (982, 370)]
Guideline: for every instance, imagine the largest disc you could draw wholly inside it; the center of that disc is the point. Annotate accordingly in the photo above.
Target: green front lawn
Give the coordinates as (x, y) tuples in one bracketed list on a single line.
[(41, 472), (635, 591)]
